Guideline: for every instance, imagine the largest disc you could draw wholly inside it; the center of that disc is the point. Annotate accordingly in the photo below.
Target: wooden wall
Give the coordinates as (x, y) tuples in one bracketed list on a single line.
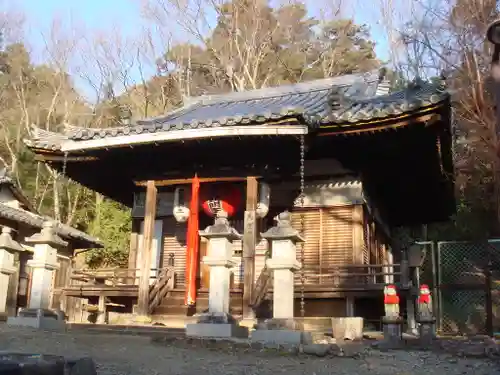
[(329, 240)]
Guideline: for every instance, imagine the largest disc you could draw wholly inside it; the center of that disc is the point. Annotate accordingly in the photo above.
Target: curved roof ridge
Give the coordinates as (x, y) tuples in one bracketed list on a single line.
[(294, 88)]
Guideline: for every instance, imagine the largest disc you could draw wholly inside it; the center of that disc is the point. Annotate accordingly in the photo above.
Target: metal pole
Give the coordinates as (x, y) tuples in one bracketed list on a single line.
[(493, 36)]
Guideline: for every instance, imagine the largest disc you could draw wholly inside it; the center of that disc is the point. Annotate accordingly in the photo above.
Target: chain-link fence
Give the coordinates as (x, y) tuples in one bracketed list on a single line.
[(467, 286)]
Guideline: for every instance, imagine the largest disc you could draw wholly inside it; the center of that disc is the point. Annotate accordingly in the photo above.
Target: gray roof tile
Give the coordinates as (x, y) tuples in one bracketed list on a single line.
[(31, 218), (36, 221), (338, 100)]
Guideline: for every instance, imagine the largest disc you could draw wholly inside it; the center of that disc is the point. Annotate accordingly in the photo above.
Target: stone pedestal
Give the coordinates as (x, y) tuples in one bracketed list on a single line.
[(349, 328), (8, 248), (283, 239), (392, 329), (39, 319), (217, 323), (426, 330), (282, 332), (44, 263)]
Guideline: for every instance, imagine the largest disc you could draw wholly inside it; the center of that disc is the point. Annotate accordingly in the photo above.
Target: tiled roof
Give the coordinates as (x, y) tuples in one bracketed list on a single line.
[(36, 221), (32, 219), (417, 95), (345, 99), (5, 180)]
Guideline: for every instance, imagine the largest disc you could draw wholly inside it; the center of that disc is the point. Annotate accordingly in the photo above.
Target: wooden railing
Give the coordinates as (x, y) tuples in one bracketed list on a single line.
[(351, 275), (160, 288), (262, 286), (112, 276), (108, 276)]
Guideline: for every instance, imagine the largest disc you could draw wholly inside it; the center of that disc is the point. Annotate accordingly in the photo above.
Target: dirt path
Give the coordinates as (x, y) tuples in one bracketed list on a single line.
[(133, 355)]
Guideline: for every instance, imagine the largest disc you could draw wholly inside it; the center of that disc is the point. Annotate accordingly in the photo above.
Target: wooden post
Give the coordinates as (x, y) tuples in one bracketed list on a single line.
[(249, 243), (132, 255), (147, 242)]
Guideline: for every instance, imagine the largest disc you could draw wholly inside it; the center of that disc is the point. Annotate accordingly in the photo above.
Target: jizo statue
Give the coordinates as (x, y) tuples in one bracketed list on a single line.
[(425, 302), (391, 301)]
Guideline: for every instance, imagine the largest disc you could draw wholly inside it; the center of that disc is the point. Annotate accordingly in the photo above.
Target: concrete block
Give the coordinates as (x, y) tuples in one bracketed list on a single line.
[(216, 330), (349, 328), (281, 337), (82, 366), (17, 363), (42, 364), (43, 323)]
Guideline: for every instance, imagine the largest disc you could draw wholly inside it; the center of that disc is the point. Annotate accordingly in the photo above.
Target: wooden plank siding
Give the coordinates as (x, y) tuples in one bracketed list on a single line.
[(328, 232), (174, 242), (375, 243)]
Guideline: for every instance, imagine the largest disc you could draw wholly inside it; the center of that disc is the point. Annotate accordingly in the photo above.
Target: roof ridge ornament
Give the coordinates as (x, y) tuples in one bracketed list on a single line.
[(337, 99), (384, 83)]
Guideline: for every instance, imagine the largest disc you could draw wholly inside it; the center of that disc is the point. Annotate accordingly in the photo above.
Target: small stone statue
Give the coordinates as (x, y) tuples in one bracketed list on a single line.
[(425, 302), (391, 301)]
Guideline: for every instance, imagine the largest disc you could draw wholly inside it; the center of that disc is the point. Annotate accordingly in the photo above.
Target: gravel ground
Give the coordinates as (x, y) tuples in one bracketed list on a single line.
[(135, 355)]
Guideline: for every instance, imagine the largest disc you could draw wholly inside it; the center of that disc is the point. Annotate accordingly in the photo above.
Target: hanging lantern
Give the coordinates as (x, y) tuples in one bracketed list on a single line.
[(223, 197), (180, 210), (264, 198)]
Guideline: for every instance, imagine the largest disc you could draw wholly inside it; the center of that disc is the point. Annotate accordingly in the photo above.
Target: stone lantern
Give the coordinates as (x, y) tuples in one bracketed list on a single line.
[(218, 322), (8, 250), (44, 263)]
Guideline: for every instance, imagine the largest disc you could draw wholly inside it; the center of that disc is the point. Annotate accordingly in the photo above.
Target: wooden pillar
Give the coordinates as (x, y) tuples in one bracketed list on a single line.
[(132, 255), (357, 234), (249, 243), (147, 242)]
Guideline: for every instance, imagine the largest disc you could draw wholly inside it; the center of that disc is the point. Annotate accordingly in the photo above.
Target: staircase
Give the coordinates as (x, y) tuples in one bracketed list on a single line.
[(160, 288), (174, 303)]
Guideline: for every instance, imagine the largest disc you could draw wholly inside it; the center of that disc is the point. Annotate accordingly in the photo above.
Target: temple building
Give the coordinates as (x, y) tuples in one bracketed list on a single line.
[(348, 158)]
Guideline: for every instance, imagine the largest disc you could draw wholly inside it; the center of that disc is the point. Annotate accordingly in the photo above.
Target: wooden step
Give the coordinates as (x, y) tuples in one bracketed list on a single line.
[(186, 311)]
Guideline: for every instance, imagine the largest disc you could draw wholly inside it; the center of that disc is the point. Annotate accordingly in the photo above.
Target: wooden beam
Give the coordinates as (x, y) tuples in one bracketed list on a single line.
[(289, 128), (132, 255), (357, 234), (183, 181), (147, 242), (381, 126), (62, 158), (249, 243)]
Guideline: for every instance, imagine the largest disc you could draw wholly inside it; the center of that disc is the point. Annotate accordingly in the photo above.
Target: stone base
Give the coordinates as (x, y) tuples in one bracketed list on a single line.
[(214, 330), (393, 334), (248, 322), (44, 323), (20, 363), (291, 324), (281, 337), (427, 331), (349, 328)]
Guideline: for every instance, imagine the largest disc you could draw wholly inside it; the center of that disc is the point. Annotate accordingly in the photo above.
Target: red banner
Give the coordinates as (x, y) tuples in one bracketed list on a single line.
[(192, 244)]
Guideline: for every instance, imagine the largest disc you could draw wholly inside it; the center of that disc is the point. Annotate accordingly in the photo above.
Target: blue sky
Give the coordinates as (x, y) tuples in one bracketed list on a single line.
[(125, 15)]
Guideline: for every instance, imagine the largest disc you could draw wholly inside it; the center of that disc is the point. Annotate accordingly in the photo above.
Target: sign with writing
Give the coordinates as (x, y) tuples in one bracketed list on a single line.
[(164, 204)]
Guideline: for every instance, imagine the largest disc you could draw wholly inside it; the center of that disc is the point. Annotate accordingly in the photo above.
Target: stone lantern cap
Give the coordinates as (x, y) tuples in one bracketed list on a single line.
[(7, 243), (283, 229), (221, 229), (47, 236)]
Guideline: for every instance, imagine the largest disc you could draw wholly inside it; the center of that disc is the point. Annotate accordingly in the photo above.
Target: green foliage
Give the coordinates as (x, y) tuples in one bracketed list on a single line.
[(255, 45), (112, 224)]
